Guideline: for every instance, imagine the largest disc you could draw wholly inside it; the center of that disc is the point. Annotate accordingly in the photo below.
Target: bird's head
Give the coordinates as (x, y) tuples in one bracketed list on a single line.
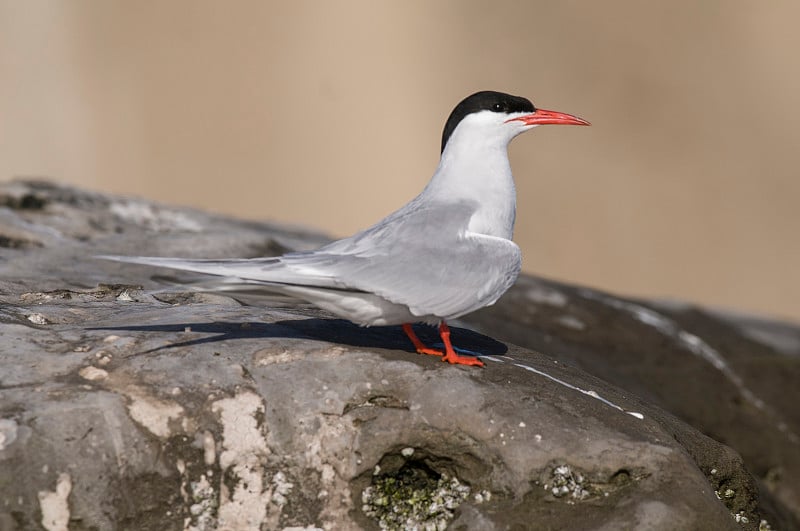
[(490, 117)]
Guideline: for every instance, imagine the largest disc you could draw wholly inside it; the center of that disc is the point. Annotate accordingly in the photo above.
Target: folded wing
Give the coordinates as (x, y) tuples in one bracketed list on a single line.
[(421, 256)]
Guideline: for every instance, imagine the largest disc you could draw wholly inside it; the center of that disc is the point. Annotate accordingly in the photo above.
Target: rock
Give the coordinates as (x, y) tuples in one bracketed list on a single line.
[(127, 402), (732, 377)]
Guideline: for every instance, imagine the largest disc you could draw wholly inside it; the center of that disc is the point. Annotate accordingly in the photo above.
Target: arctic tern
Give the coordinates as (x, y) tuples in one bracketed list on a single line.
[(444, 254)]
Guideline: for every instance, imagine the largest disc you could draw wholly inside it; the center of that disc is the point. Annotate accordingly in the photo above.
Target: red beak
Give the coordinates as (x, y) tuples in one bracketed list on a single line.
[(543, 117)]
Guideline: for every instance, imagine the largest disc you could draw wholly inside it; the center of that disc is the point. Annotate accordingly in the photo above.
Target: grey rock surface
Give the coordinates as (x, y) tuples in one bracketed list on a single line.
[(735, 378), (127, 408)]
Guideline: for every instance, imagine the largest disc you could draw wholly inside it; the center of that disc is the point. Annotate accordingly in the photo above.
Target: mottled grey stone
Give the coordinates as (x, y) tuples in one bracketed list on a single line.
[(128, 408)]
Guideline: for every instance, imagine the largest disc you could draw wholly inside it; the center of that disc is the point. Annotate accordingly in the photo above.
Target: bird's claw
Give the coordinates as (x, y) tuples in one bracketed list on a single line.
[(448, 354), (430, 351), (455, 359), (463, 360)]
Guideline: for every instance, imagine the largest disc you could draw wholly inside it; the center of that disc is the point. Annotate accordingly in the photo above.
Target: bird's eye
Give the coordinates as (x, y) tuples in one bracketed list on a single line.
[(499, 107)]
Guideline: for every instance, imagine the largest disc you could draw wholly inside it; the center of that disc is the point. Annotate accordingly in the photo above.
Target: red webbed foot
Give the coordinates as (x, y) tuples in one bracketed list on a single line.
[(449, 354)]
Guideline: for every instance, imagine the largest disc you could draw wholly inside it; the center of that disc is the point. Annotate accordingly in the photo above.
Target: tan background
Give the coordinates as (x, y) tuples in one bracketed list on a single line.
[(329, 114)]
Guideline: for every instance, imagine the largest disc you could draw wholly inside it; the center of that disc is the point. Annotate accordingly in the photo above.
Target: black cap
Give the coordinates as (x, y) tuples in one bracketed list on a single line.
[(486, 100)]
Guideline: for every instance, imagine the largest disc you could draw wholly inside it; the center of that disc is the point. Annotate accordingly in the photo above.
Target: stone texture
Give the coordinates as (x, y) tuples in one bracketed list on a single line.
[(734, 378), (163, 408)]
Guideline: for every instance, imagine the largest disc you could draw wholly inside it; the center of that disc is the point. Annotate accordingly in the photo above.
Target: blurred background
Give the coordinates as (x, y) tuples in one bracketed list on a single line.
[(329, 115)]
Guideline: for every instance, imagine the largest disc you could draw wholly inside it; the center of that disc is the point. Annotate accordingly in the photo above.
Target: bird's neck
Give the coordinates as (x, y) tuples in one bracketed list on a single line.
[(479, 174)]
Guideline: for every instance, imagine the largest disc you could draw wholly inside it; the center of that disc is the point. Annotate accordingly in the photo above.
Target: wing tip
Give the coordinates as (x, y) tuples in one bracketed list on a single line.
[(143, 260)]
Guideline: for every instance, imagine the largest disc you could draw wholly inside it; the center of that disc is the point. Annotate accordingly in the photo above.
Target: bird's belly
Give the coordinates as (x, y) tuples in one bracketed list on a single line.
[(365, 309)]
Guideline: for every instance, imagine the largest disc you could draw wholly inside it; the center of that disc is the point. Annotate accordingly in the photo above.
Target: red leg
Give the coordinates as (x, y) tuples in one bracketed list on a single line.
[(419, 345), (450, 354)]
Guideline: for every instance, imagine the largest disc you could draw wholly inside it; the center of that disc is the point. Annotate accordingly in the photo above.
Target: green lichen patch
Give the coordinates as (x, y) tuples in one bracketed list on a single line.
[(415, 497)]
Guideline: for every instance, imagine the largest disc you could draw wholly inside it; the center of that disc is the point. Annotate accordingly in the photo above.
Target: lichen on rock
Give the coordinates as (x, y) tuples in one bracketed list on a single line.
[(415, 498)]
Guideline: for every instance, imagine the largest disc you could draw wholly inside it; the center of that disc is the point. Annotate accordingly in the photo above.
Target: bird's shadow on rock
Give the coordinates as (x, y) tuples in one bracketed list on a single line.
[(337, 331)]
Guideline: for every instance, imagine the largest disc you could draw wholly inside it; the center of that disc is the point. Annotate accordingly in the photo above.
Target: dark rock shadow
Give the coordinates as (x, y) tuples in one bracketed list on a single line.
[(337, 331)]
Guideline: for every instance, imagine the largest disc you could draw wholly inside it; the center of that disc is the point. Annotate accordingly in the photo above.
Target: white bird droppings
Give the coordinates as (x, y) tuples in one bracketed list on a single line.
[(209, 448), (548, 296), (8, 433), (570, 321), (37, 318), (152, 413), (593, 394), (245, 449), (93, 373), (54, 505)]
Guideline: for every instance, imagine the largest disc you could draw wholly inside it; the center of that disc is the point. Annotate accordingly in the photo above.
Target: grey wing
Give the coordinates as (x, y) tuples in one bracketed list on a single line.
[(422, 257), (239, 270), (306, 268)]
